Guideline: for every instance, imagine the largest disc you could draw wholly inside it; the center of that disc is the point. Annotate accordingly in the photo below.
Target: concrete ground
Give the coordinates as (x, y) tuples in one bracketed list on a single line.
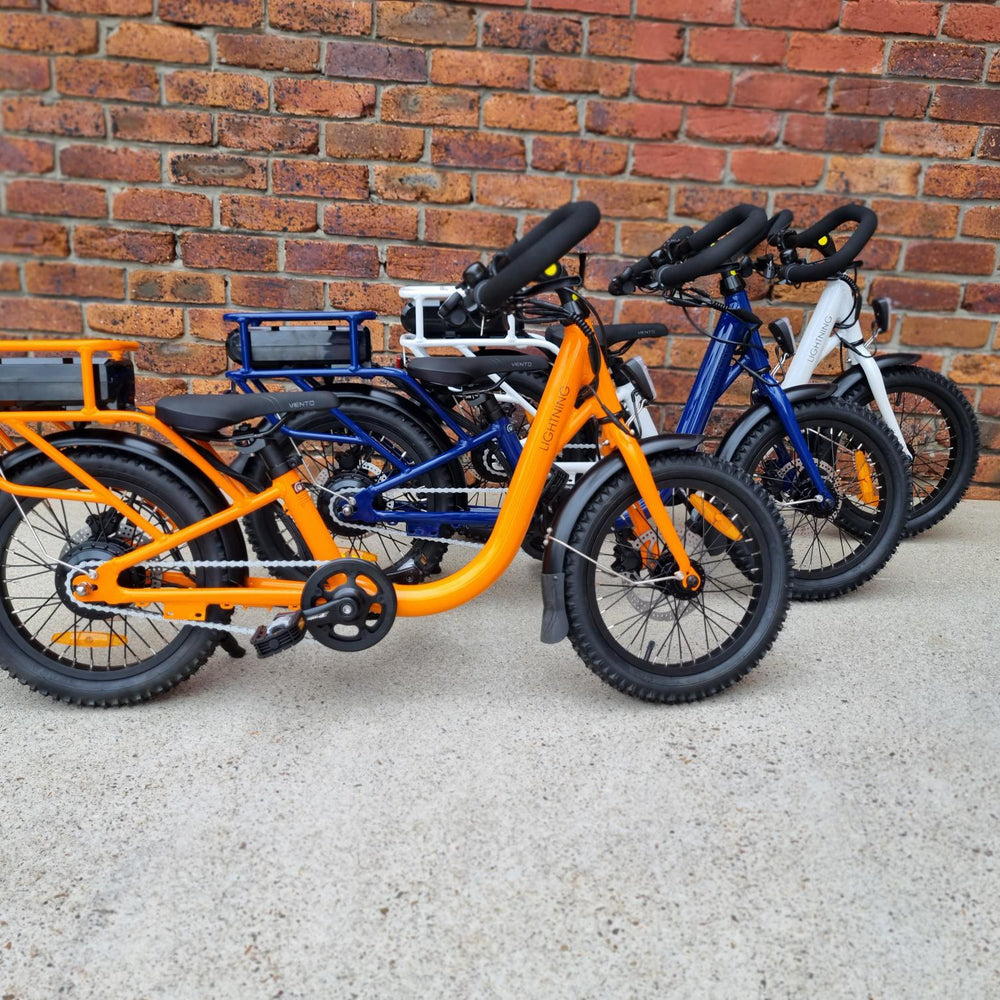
[(462, 812)]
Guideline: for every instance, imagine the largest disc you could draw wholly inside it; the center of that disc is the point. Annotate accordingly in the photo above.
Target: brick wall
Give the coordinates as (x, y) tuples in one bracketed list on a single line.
[(165, 159)]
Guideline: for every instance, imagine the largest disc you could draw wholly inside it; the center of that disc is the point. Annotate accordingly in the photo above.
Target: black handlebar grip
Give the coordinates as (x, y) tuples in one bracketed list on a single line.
[(553, 237), (744, 226), (867, 222), (624, 282)]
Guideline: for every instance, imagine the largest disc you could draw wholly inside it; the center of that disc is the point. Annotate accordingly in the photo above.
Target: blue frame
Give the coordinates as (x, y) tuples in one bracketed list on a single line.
[(247, 378)]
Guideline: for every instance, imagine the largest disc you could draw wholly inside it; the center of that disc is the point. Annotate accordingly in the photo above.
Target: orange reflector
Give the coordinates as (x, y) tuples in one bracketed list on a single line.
[(90, 639), (866, 485), (716, 518)]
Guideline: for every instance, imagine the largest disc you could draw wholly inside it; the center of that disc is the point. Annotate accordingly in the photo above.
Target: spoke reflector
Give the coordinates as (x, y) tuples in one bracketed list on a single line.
[(868, 492), (90, 639)]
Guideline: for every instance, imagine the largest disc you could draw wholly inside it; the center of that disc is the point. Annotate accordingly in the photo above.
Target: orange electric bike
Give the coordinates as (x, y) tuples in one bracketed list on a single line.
[(122, 561)]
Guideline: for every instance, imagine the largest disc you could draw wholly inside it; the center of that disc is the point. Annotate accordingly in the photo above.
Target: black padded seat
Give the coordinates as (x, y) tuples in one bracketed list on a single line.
[(615, 333), (460, 372), (205, 416)]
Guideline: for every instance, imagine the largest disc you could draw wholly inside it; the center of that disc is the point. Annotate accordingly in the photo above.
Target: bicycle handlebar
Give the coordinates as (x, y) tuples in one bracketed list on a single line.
[(624, 283), (552, 238), (728, 234), (818, 235), (778, 222)]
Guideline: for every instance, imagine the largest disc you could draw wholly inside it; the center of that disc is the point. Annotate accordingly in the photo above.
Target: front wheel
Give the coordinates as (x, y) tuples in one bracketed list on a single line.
[(633, 623), (836, 546), (941, 432)]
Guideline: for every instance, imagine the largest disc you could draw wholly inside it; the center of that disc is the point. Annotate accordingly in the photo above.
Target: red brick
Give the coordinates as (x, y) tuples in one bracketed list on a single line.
[(328, 17), (247, 211), (366, 60), (951, 257), (348, 260), (626, 199), (630, 39), (425, 23), (397, 222), (421, 263), (149, 391), (834, 135), (430, 105), (880, 97), (982, 298), (978, 22), (225, 13), (418, 183), (472, 148), (835, 53), (641, 121), (40, 33), (380, 297), (324, 98), (674, 160), (929, 139), (941, 331), (465, 228), (960, 180), (777, 91), (373, 141), (882, 255), (115, 164), (35, 114), (177, 208), (532, 32), (916, 218), (736, 45), (977, 369), (578, 156), (51, 198), (570, 75), (135, 40), (892, 17), (775, 168), (78, 280), (123, 244), (588, 6), (10, 277), (530, 112), (161, 125), (705, 11), (640, 238), (208, 323), (24, 73), (237, 253), (236, 91), (26, 156), (319, 180), (516, 191), (967, 104), (866, 174), (981, 220), (993, 74), (480, 69), (989, 147), (177, 286), (261, 132), (107, 80), (24, 236), (293, 55), (218, 170), (732, 125), (275, 293), (180, 359), (816, 14), (42, 315), (682, 83), (708, 202), (918, 293), (120, 8), (937, 60)]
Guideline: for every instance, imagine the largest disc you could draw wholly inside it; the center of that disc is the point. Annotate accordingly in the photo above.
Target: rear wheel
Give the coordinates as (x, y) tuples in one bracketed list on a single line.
[(941, 432), (630, 619), (90, 655), (835, 548)]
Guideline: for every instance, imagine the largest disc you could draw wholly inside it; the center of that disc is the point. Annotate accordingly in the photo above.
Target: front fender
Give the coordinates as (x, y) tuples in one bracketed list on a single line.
[(736, 434), (555, 624), (848, 380)]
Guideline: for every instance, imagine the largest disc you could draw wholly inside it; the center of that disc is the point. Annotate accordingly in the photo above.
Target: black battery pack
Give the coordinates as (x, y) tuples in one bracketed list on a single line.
[(299, 347), (57, 383)]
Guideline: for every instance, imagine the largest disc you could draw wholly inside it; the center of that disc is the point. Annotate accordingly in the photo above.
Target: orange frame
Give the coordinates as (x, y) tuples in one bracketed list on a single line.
[(560, 415)]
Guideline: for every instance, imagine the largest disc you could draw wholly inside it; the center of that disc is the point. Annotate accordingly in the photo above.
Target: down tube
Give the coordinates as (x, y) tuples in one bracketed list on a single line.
[(526, 487)]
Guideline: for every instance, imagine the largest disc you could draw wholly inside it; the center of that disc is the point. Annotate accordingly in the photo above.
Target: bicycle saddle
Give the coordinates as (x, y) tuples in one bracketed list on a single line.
[(465, 372), (204, 416), (615, 333)]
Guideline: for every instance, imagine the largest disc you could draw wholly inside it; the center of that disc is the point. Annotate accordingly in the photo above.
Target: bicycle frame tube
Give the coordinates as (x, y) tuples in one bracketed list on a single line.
[(821, 336)]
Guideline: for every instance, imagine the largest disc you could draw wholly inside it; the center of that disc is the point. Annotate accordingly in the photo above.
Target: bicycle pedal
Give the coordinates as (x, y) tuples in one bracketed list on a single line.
[(283, 633)]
